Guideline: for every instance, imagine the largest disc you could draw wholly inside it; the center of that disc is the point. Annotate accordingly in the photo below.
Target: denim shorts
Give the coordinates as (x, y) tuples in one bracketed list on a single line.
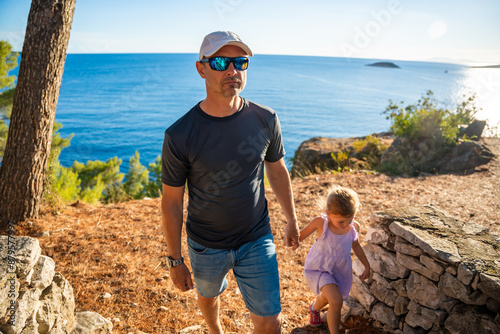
[(254, 266)]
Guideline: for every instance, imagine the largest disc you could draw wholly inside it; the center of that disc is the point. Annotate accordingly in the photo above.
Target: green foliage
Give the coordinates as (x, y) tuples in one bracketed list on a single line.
[(114, 193), (369, 151), (99, 179), (93, 194), (341, 160), (107, 172), (66, 183), (425, 132), (425, 120), (154, 186), (8, 62), (61, 184), (90, 182), (137, 178), (363, 154)]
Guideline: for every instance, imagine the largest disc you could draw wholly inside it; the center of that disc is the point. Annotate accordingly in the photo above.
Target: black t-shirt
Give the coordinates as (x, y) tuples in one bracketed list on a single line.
[(221, 158)]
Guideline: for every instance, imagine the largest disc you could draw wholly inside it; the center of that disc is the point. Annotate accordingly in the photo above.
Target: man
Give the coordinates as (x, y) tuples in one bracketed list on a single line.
[(220, 148)]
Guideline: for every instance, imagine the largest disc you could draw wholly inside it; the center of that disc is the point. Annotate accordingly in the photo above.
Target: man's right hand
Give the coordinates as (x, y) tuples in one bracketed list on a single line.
[(181, 277)]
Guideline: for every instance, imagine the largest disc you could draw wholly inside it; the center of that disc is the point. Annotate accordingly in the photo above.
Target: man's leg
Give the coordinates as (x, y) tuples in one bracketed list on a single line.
[(266, 325), (210, 267), (256, 271), (210, 309)]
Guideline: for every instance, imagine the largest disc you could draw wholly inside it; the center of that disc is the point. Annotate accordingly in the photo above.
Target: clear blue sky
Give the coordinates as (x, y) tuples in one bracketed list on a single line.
[(462, 31)]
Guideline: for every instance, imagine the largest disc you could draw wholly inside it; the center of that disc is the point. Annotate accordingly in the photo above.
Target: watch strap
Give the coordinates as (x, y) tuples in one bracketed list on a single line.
[(171, 262)]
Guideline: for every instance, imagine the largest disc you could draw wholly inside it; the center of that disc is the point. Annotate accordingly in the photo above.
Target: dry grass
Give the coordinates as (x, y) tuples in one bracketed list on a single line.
[(119, 249)]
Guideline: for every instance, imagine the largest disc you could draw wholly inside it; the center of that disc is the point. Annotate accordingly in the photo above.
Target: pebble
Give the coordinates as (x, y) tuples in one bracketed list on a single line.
[(188, 330), (107, 295)]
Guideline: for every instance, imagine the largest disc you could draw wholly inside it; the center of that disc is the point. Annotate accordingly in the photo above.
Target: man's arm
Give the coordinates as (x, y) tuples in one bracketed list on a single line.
[(172, 204), (279, 178)]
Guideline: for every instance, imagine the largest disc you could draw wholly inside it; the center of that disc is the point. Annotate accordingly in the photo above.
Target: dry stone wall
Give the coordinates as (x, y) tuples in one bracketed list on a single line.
[(431, 274), (34, 298)]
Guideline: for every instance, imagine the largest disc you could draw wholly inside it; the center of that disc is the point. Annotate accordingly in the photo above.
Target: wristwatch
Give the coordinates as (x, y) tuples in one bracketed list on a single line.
[(173, 263)]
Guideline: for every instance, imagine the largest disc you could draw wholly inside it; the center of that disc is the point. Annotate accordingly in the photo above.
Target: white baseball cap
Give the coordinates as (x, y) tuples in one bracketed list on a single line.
[(213, 42)]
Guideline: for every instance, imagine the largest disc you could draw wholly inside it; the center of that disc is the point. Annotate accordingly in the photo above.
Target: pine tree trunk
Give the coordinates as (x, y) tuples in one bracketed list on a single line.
[(30, 131)]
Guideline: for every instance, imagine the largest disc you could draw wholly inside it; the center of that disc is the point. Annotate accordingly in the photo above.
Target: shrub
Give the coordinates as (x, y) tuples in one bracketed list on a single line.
[(425, 132), (425, 120), (97, 177), (154, 186), (136, 178)]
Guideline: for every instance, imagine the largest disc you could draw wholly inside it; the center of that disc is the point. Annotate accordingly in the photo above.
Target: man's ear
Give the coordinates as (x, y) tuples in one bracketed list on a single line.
[(201, 69)]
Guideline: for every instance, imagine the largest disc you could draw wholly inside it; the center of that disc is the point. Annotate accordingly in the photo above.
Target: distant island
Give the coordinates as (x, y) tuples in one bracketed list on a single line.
[(488, 66), (384, 64)]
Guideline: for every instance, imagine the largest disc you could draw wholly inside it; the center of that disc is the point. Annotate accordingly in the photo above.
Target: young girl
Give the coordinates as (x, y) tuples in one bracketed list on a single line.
[(328, 266)]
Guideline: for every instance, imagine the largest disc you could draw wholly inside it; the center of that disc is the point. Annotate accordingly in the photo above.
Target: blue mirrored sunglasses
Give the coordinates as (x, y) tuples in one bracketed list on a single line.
[(222, 63)]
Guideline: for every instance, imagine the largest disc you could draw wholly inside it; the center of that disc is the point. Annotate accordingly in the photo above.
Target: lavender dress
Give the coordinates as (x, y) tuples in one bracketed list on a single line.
[(329, 260)]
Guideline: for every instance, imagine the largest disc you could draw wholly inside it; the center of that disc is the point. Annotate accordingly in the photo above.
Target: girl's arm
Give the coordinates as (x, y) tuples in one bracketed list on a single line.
[(315, 224), (360, 253)]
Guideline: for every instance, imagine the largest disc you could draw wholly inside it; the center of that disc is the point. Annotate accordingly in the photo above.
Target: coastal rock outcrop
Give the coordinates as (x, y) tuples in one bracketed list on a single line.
[(399, 155), (34, 298), (407, 158), (431, 274), (315, 155)]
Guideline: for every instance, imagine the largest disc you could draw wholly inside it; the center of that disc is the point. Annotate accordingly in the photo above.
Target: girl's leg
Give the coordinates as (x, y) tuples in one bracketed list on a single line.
[(331, 293)]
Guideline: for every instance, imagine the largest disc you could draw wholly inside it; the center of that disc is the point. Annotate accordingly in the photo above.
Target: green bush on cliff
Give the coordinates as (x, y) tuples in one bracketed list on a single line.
[(424, 132), (425, 120)]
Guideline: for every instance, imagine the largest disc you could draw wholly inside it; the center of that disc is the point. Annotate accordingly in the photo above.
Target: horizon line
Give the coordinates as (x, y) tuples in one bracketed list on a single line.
[(441, 60)]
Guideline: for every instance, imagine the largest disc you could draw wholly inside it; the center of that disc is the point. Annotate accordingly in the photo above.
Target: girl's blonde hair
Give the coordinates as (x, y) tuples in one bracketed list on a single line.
[(341, 201)]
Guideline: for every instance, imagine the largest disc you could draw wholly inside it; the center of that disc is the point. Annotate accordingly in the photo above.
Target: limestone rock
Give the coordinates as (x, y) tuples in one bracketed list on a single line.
[(384, 262), (376, 235), (452, 287), (473, 131), (400, 287), (406, 248), (383, 294), (44, 272), (91, 323), (401, 305), (26, 253), (431, 264), (382, 280), (466, 319), (413, 264), (490, 285), (9, 292), (465, 157), (419, 316), (439, 247), (351, 307), (423, 291), (361, 292), (34, 299), (407, 329), (385, 315), (57, 306)]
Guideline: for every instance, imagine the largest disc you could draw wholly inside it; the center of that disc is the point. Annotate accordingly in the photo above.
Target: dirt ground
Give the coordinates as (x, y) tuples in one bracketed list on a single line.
[(119, 248)]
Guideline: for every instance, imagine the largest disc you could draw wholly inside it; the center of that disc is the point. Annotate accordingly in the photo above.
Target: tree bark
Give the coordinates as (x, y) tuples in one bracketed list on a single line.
[(22, 172)]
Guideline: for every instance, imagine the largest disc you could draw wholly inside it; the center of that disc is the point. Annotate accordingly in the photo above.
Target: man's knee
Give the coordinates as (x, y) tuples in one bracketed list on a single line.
[(207, 301), (267, 325)]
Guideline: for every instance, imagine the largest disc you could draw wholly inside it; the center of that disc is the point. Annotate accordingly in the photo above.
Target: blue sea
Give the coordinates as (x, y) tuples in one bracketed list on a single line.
[(116, 104)]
